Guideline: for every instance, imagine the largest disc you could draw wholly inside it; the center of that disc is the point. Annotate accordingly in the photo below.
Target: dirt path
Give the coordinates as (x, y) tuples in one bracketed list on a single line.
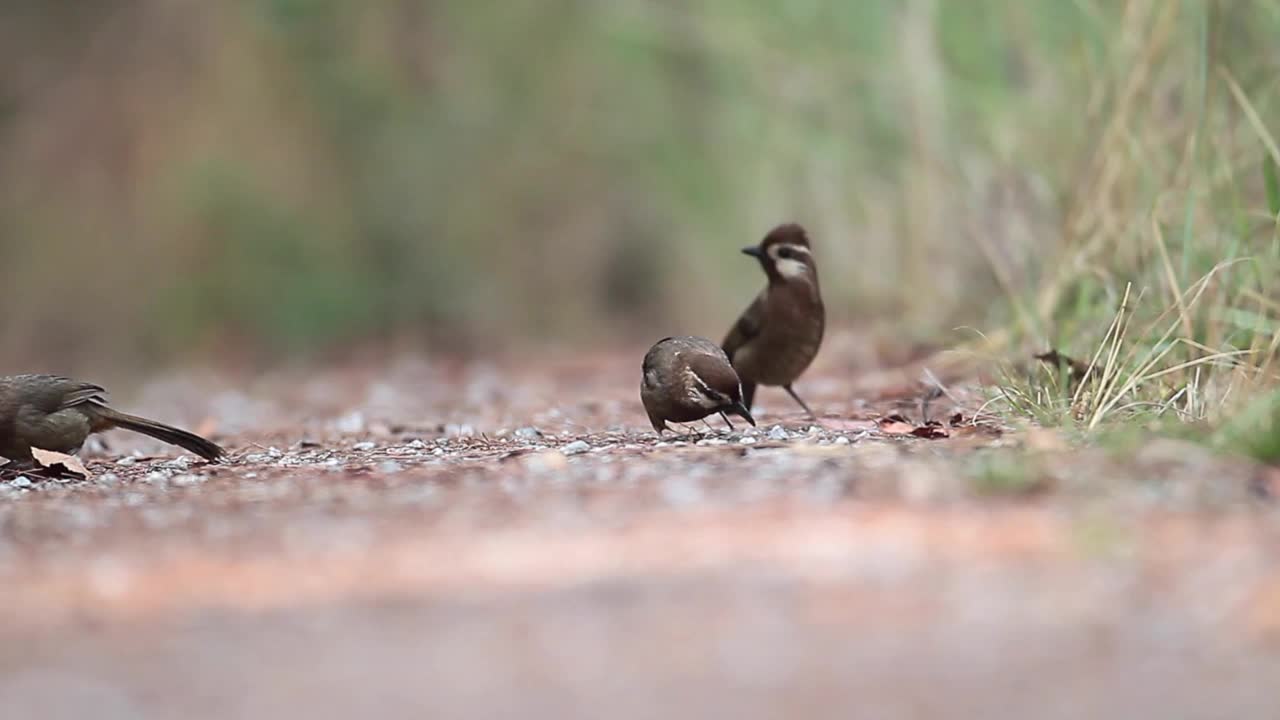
[(435, 540)]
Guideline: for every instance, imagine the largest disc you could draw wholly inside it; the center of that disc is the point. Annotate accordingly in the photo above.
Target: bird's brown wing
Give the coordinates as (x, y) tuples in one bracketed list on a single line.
[(82, 392), (747, 327), (51, 393)]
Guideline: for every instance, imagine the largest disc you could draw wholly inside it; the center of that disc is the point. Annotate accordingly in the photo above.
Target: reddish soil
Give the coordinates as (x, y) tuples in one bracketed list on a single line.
[(430, 539)]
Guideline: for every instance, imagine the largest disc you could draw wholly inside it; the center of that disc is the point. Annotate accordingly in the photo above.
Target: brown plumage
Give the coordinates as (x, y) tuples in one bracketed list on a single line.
[(57, 413), (687, 379), (779, 334)]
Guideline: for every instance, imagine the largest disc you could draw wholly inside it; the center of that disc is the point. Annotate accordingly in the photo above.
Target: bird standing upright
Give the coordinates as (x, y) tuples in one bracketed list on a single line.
[(57, 413), (686, 379), (779, 334)]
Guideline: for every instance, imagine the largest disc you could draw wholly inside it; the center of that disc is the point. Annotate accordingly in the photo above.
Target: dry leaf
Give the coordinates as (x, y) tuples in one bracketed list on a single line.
[(60, 463), (895, 425), (931, 430)]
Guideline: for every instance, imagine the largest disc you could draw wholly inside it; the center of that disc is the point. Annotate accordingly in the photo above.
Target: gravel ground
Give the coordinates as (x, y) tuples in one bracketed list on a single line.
[(431, 538)]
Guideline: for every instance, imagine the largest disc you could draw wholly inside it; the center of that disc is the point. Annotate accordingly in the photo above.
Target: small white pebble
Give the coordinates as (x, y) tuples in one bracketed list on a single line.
[(777, 432), (842, 440), (156, 477), (364, 446), (747, 441), (437, 452), (22, 481), (576, 447), (126, 461), (108, 479), (417, 445)]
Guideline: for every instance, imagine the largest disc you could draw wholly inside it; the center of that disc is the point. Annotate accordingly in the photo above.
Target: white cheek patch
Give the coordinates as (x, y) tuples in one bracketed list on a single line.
[(791, 269)]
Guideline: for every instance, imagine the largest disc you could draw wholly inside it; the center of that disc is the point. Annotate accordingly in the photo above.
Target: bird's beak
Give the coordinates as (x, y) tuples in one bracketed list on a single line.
[(754, 251), (741, 410)]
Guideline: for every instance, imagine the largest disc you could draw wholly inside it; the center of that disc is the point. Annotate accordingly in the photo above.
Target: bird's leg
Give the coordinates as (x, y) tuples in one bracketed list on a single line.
[(796, 397), (704, 422), (726, 421), (693, 434)]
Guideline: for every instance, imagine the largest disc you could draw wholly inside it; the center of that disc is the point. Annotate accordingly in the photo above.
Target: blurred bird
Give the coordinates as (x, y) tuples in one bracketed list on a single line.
[(778, 335), (57, 413), (687, 379)]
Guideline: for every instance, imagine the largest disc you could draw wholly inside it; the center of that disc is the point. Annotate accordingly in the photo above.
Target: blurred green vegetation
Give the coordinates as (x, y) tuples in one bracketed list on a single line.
[(281, 177)]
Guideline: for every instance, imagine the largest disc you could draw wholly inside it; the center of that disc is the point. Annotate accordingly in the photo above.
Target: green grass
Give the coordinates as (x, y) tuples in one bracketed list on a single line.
[(1165, 280), (556, 170)]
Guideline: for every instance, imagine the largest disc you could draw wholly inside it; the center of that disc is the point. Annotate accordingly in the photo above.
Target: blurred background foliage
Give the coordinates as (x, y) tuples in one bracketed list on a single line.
[(185, 181)]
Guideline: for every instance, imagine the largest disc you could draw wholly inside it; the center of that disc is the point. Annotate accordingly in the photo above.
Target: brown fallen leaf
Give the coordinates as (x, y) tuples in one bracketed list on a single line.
[(60, 463), (931, 430), (957, 420), (895, 425)]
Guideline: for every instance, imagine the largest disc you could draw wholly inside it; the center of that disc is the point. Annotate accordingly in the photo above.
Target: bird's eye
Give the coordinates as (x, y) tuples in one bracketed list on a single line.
[(786, 253)]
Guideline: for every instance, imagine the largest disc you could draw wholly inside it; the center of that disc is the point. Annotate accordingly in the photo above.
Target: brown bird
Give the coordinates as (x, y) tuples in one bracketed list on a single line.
[(57, 413), (687, 379), (779, 334)]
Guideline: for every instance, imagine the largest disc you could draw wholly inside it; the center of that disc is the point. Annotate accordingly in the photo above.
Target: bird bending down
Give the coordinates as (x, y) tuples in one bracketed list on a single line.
[(779, 334), (57, 413), (688, 379)]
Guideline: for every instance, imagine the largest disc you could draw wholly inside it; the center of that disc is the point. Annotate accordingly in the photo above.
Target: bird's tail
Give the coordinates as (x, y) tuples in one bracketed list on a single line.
[(107, 417)]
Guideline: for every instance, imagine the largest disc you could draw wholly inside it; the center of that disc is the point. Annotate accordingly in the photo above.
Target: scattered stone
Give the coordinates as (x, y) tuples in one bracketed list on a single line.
[(842, 440), (365, 446), (182, 462), (417, 445), (576, 447), (156, 477), (127, 461), (528, 433), (748, 440), (20, 482), (777, 432), (108, 479)]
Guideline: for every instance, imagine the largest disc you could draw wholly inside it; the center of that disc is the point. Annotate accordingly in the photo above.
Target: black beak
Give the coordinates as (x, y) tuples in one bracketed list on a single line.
[(754, 251), (741, 410)]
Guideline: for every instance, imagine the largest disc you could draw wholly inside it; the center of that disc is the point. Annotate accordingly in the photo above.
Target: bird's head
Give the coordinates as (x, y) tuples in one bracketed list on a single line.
[(784, 254)]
